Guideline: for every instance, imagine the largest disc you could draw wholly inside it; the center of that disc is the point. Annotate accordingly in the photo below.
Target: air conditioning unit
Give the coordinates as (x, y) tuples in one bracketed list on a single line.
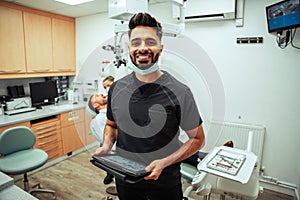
[(204, 10), (125, 9)]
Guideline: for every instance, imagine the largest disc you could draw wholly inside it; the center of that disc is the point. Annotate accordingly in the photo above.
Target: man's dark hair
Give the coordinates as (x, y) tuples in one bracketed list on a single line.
[(144, 19)]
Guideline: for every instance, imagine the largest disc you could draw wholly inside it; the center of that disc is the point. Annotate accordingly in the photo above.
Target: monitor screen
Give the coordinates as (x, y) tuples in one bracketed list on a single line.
[(43, 93), (283, 15)]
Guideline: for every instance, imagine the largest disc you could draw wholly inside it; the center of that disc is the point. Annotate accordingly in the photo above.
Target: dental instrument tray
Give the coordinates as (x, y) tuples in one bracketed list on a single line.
[(122, 168), (227, 161)]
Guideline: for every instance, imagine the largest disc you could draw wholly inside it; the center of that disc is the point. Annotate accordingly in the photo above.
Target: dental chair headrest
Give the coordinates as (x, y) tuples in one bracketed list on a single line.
[(90, 111)]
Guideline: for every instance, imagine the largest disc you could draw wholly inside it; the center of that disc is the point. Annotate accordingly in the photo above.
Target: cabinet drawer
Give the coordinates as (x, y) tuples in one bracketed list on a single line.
[(54, 150), (48, 136), (72, 117), (44, 129), (43, 140)]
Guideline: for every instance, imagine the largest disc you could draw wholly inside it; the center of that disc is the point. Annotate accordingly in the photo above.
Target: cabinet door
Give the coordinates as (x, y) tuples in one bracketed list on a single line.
[(38, 43), (63, 33), (12, 51), (89, 138), (72, 137), (73, 130)]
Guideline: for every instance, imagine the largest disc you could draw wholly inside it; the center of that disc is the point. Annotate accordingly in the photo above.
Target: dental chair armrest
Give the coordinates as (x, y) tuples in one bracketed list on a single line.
[(188, 171)]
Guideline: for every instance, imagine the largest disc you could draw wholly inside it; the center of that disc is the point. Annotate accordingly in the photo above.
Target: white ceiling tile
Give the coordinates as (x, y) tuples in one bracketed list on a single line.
[(73, 11), (89, 8), (45, 5), (95, 6)]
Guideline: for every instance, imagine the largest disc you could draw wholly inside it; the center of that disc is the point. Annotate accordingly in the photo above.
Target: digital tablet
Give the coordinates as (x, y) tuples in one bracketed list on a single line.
[(126, 169)]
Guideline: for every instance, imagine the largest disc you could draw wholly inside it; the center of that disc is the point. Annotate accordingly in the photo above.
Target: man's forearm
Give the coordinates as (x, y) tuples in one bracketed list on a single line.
[(194, 144), (110, 135)]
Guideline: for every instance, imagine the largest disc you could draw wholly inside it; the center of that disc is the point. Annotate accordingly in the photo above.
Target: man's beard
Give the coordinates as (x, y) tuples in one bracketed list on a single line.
[(146, 65)]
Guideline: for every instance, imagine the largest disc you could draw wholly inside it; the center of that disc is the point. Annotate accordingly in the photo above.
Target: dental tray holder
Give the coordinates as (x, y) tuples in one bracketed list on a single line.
[(243, 174)]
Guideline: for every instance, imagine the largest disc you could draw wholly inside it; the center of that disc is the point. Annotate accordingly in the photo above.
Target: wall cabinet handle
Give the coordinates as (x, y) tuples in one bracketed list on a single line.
[(64, 69), (10, 71), (41, 70)]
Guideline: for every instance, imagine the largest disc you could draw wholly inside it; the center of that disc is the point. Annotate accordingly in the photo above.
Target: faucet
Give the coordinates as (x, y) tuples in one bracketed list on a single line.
[(57, 98)]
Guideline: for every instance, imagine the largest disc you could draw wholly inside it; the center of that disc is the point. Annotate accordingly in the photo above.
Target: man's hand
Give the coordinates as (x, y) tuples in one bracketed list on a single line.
[(101, 150), (156, 167)]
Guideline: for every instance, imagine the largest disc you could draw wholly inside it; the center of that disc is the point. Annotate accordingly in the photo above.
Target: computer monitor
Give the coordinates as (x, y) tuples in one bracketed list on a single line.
[(283, 15), (43, 93)]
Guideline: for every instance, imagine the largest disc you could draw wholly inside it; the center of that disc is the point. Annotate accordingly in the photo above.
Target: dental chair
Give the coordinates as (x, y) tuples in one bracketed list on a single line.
[(205, 181), (96, 126), (18, 156)]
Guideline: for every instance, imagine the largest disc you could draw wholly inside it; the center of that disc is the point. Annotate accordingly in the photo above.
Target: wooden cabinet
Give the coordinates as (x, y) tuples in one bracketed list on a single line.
[(12, 51), (89, 138), (38, 43), (48, 136), (35, 43), (60, 134), (73, 130), (63, 37), (14, 125)]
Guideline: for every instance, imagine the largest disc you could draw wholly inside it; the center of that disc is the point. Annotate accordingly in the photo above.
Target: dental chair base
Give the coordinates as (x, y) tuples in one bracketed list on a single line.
[(204, 184), (229, 188), (234, 189)]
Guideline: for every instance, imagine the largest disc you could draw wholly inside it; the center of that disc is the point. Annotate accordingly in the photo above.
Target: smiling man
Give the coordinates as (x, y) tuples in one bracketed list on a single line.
[(145, 112)]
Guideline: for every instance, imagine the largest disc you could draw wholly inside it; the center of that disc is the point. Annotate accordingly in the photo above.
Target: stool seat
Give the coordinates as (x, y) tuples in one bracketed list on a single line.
[(23, 161)]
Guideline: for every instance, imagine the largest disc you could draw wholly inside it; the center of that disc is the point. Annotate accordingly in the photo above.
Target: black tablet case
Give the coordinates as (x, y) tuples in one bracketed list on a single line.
[(120, 167)]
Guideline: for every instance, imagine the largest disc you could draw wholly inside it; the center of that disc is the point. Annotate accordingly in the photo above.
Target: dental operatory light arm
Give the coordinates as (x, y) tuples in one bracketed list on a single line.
[(56, 99)]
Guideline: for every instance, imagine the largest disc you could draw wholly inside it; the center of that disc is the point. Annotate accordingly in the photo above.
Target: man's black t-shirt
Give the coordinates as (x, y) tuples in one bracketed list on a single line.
[(148, 117)]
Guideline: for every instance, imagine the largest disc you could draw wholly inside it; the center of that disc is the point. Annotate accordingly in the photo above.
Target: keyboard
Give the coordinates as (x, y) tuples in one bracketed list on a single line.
[(19, 111), (125, 163)]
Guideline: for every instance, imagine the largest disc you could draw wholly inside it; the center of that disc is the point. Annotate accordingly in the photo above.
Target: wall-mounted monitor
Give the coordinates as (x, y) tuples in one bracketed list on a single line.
[(43, 93), (283, 15)]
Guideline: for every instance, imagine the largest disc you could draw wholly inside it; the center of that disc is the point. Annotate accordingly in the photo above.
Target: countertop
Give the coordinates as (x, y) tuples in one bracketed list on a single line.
[(40, 113), (10, 191)]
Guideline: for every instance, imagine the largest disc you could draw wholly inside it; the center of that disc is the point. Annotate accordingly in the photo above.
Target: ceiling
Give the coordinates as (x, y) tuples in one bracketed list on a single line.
[(89, 8)]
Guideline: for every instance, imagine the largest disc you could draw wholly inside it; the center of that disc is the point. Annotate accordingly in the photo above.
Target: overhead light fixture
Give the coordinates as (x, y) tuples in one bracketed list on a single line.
[(74, 2)]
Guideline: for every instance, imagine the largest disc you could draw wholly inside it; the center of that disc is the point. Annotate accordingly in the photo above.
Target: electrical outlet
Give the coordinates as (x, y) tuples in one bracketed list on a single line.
[(249, 40)]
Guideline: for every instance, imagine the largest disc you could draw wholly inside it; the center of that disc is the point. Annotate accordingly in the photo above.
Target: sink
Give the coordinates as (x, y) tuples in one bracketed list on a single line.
[(62, 107)]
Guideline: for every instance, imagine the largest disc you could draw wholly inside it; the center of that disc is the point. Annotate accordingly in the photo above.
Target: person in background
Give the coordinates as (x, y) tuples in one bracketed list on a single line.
[(107, 82), (97, 103), (145, 111)]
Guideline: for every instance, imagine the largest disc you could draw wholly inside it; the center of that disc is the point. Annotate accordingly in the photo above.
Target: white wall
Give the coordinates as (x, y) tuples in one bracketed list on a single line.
[(261, 81)]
